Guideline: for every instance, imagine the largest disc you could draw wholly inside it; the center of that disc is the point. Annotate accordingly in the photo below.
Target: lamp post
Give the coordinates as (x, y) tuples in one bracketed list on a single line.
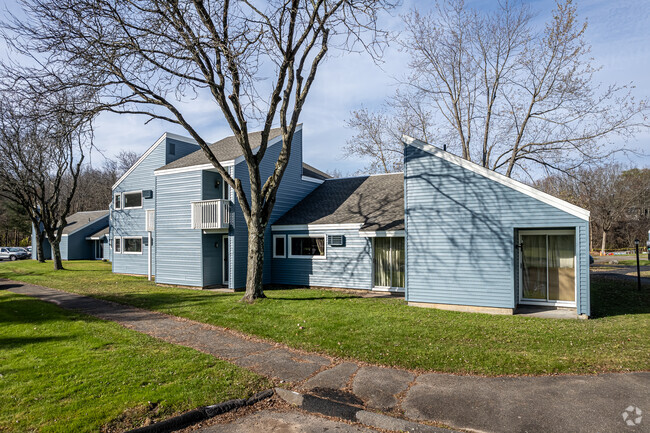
[(638, 268)]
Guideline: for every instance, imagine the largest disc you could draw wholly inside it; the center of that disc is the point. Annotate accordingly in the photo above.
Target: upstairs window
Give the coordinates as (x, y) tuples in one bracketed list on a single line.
[(132, 199), (307, 246), (117, 204)]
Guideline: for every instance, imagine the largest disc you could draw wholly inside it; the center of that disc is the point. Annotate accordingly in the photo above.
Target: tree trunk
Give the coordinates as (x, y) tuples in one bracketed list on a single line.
[(56, 255), (40, 253), (602, 247), (255, 262)]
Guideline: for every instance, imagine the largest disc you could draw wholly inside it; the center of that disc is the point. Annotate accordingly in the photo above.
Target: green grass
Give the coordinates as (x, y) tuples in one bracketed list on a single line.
[(63, 372), (633, 262), (387, 331)]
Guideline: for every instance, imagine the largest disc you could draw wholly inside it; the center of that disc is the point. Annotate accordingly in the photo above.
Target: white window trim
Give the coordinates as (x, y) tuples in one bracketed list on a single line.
[(284, 240), (310, 235), (117, 194), (134, 207), (132, 237), (527, 301), (115, 239)]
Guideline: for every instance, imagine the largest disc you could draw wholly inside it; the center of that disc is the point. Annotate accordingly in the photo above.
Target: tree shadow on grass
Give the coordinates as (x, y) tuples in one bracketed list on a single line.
[(15, 342), (612, 296)]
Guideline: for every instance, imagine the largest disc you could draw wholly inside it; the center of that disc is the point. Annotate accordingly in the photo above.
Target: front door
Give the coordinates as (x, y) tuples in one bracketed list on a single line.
[(225, 270), (388, 263), (548, 267)]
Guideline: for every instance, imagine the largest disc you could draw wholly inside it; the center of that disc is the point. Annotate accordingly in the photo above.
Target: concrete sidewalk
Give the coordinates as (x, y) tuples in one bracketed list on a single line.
[(503, 404)]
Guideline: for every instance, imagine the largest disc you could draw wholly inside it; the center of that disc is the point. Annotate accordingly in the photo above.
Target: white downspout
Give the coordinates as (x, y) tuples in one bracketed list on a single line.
[(149, 254)]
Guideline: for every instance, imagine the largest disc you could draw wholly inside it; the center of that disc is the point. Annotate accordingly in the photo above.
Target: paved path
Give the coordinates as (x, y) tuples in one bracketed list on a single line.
[(517, 404)]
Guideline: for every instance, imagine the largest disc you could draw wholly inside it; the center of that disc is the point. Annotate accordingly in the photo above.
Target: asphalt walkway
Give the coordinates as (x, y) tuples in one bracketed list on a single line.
[(571, 403)]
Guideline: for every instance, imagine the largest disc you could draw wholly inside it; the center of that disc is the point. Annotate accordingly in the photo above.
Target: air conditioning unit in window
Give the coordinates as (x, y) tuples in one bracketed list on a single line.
[(335, 240)]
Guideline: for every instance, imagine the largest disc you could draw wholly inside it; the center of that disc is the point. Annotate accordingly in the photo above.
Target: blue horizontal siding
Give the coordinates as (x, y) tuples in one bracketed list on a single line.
[(460, 235), (349, 266), (178, 246), (292, 189)]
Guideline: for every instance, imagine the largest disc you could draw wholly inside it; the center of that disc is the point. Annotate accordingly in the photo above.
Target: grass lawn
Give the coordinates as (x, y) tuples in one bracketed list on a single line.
[(66, 372), (387, 331), (633, 262)]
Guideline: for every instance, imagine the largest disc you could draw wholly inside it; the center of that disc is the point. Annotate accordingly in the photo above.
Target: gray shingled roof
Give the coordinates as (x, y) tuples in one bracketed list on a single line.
[(81, 219), (99, 234), (226, 149), (377, 202), (313, 172)]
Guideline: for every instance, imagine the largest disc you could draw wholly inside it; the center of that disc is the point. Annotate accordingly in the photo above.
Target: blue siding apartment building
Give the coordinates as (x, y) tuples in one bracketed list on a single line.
[(446, 232)]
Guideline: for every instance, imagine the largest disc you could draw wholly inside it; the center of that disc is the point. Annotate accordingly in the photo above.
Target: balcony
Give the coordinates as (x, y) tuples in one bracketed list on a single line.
[(210, 214)]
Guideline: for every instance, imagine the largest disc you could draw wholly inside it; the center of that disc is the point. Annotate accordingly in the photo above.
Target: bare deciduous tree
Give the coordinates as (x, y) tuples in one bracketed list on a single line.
[(42, 147), (256, 61), (509, 97), (615, 197)]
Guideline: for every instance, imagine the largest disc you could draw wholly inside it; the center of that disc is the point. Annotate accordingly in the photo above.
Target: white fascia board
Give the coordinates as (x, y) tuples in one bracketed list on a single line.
[(499, 178), (311, 179), (153, 146), (192, 168), (383, 234), (308, 227)]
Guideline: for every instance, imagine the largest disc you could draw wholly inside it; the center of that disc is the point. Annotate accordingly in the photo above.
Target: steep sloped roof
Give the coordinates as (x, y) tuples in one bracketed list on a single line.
[(82, 219), (313, 172), (376, 202), (225, 149), (98, 235)]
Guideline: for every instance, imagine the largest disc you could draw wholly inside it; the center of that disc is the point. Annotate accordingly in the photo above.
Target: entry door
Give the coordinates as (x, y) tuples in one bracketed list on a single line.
[(548, 267), (226, 268), (388, 263)]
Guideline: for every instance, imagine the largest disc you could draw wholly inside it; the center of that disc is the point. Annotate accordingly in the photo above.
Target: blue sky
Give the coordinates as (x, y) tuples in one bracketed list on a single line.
[(619, 32)]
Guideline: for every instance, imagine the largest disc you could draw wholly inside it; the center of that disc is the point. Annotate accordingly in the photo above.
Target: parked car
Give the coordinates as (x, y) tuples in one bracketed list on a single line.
[(13, 253)]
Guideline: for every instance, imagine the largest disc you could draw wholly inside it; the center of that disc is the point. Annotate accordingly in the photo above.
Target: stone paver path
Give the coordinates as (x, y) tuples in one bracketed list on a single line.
[(510, 404)]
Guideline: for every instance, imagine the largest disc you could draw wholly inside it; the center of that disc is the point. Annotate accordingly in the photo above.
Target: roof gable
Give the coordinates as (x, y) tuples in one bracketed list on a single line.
[(499, 178), (144, 156)]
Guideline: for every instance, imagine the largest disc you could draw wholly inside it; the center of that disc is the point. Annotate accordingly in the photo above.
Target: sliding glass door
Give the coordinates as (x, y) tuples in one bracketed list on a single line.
[(388, 262), (548, 269)]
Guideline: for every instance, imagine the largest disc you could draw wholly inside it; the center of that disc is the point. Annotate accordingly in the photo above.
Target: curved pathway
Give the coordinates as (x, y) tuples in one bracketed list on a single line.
[(492, 404)]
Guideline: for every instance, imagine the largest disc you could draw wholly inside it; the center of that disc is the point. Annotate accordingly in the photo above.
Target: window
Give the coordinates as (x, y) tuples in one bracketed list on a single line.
[(172, 148), (132, 199), (132, 245), (307, 246), (118, 245), (279, 246), (118, 201)]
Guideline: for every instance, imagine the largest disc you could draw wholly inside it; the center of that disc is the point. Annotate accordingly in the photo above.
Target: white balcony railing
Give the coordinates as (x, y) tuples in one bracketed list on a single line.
[(151, 220), (210, 214)]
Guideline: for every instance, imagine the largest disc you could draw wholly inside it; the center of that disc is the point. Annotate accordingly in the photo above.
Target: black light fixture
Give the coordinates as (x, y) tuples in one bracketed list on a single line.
[(217, 183), (638, 268)]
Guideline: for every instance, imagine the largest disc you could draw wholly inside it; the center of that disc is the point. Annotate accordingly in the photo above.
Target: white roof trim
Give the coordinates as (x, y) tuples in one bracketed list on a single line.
[(383, 234), (499, 178), (192, 168), (96, 238), (153, 146), (311, 179), (296, 227)]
